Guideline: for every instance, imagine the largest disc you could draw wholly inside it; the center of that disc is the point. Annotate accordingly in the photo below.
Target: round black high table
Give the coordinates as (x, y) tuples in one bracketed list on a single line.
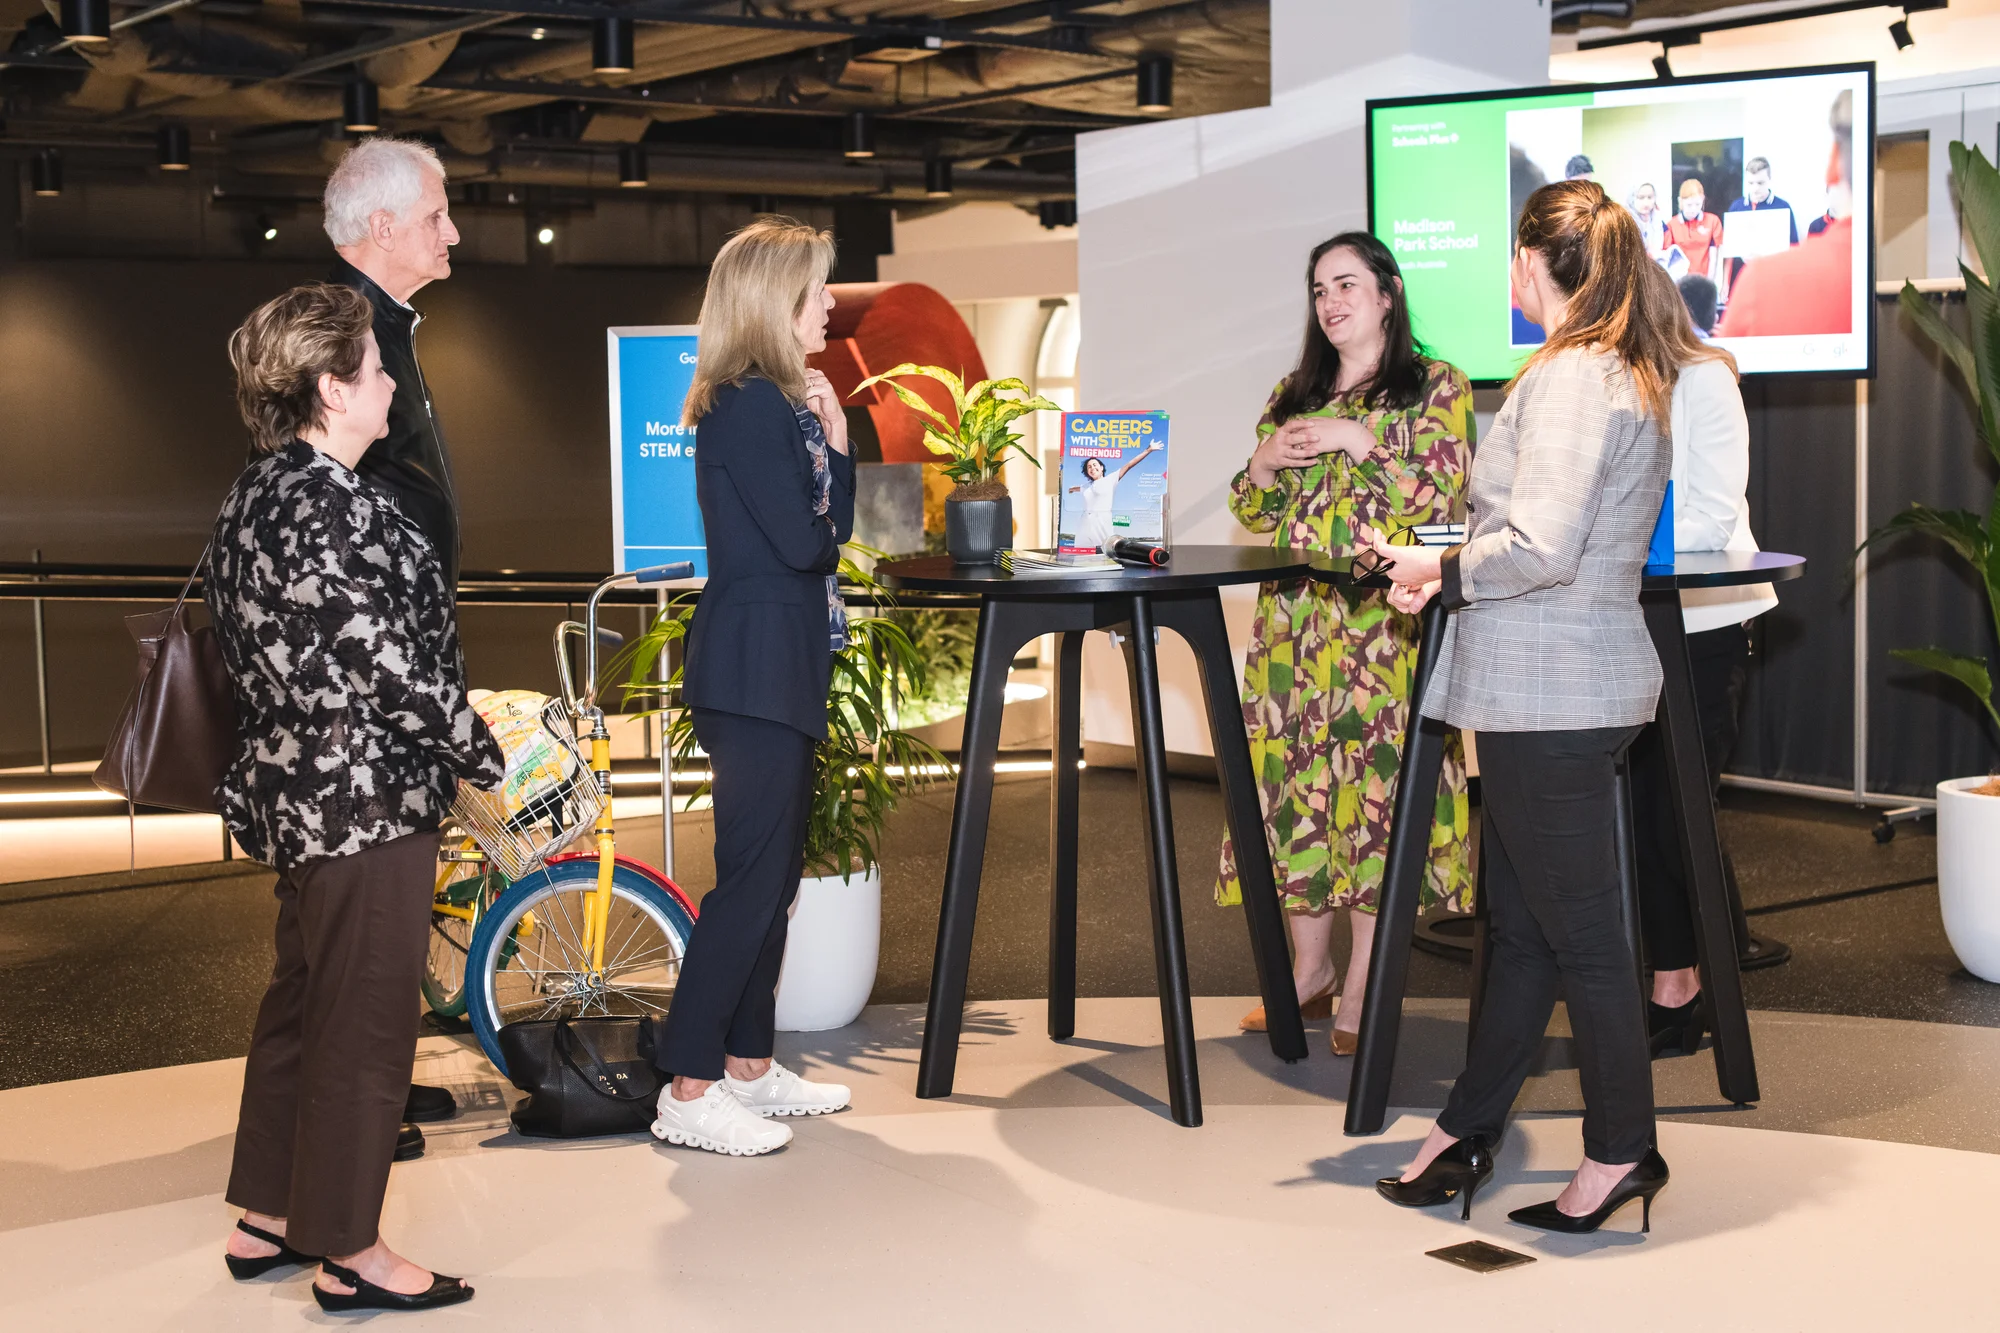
[(1014, 611), (1717, 913)]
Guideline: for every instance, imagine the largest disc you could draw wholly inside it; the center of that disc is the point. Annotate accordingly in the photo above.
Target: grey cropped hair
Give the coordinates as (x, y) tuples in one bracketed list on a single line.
[(381, 174)]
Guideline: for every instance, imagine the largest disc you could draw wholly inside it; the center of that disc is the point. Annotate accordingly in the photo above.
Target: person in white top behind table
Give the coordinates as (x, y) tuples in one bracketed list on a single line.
[(1710, 473)]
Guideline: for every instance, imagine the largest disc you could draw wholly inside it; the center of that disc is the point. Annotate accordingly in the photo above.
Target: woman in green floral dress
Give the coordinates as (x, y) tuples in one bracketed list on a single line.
[(1366, 435)]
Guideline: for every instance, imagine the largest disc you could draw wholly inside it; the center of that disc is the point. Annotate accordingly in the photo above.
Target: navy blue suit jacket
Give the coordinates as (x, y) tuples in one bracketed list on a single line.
[(759, 642)]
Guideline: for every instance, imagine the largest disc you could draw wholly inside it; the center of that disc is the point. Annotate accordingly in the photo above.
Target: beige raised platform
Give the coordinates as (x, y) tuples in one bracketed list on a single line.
[(1053, 1192)]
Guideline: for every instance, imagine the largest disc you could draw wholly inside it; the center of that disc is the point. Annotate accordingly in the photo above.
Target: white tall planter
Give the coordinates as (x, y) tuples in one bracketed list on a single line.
[(1968, 858), (831, 949)]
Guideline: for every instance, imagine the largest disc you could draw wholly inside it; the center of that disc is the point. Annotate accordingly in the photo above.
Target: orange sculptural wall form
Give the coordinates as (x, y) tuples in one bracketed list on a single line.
[(877, 325)]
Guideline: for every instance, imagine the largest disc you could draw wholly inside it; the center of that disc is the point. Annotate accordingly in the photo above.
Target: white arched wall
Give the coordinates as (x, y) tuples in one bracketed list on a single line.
[(1191, 242)]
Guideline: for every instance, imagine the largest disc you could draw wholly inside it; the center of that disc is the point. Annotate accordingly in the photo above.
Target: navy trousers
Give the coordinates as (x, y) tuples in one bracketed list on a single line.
[(727, 998)]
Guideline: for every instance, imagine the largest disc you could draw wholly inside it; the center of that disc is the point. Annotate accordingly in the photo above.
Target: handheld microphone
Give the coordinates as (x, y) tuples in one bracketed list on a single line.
[(1127, 551)]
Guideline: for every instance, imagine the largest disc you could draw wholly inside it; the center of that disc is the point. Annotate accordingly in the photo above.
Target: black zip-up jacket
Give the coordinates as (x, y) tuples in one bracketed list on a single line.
[(410, 462)]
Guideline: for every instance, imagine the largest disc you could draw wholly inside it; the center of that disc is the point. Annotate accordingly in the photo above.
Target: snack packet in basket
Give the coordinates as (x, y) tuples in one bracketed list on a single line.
[(538, 764)]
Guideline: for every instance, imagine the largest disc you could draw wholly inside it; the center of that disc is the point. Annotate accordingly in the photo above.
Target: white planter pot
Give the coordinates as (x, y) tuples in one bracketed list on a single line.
[(831, 949), (1968, 859)]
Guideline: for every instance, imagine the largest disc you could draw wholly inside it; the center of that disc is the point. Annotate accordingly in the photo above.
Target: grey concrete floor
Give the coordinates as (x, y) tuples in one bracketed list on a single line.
[(109, 973)]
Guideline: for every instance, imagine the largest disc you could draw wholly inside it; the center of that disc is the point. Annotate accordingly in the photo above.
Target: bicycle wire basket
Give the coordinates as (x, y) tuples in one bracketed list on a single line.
[(549, 797)]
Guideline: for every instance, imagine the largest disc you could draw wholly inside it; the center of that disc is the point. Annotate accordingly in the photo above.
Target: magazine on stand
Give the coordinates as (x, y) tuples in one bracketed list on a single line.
[(1113, 480)]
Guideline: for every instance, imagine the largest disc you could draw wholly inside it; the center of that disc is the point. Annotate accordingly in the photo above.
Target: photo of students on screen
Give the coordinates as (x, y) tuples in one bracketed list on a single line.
[(1694, 231), (1645, 205), (1808, 288)]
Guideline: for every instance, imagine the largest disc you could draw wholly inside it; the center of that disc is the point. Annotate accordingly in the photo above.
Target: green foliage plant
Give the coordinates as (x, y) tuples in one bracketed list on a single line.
[(1974, 537), (865, 766), (976, 445)]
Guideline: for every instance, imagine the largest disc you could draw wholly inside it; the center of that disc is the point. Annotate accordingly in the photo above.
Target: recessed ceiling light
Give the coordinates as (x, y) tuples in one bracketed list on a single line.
[(546, 235), (538, 34)]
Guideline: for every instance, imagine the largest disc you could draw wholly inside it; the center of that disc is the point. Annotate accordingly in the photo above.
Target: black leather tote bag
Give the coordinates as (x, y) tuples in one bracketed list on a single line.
[(584, 1076), (177, 735)]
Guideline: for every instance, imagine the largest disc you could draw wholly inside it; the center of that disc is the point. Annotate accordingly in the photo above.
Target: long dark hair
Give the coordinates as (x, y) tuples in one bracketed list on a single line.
[(1398, 383)]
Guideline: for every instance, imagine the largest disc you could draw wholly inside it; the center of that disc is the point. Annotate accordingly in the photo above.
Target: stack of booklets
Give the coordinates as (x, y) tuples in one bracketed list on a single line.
[(1053, 564)]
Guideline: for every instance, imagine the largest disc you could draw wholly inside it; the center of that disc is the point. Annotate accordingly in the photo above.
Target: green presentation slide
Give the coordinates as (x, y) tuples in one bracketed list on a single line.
[(1745, 189)]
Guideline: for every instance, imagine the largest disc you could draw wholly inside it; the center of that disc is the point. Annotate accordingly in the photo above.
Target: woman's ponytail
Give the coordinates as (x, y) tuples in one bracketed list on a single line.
[(1620, 301)]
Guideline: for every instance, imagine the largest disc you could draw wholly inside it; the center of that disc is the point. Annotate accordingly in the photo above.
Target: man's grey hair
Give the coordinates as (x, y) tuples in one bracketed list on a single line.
[(381, 174)]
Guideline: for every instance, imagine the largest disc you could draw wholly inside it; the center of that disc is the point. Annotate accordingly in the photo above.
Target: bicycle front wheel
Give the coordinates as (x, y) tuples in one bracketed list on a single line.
[(465, 890), (528, 958)]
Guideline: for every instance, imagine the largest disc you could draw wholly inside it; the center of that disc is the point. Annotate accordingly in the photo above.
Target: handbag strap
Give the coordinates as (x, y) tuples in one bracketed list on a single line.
[(188, 587), (606, 1083), (132, 733)]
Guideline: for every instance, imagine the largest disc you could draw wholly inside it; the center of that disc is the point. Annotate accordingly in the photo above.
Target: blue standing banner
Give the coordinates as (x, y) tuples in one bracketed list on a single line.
[(654, 515)]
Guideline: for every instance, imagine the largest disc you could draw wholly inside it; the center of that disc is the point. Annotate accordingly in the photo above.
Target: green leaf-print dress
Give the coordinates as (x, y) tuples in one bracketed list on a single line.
[(1326, 684)]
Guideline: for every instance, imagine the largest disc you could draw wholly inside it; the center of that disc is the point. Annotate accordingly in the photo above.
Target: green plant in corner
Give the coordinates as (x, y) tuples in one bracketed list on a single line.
[(864, 767), (1974, 537), (977, 444)]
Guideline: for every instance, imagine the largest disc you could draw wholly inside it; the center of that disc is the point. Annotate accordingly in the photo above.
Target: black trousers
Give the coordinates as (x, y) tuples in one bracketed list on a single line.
[(1554, 923), (1720, 660), (726, 1001), (336, 1036)]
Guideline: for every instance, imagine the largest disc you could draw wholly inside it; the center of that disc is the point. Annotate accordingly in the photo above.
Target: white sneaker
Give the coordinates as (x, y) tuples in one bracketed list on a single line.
[(781, 1092), (717, 1122)]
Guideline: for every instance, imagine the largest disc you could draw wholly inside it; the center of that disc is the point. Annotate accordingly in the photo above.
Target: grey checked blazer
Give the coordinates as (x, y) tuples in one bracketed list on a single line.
[(1564, 493)]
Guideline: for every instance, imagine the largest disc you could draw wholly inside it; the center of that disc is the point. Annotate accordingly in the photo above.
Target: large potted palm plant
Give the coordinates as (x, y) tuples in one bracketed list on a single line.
[(978, 514), (1968, 813), (862, 770)]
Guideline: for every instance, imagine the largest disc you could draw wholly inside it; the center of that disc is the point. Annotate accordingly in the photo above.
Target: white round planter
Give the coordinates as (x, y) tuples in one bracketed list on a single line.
[(1968, 859), (831, 948)]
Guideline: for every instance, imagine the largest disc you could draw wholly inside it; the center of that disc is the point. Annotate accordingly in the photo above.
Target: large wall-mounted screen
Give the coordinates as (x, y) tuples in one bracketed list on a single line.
[(1753, 192)]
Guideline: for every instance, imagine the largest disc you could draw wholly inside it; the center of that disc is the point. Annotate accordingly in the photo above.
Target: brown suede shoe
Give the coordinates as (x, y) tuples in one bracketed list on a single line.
[(1319, 1006)]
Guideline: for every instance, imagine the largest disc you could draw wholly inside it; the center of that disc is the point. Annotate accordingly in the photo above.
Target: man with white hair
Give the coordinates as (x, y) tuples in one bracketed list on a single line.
[(387, 215)]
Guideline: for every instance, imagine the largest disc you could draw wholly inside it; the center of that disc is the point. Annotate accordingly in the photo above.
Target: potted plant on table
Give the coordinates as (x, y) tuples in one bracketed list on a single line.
[(861, 771), (1968, 809), (978, 514)]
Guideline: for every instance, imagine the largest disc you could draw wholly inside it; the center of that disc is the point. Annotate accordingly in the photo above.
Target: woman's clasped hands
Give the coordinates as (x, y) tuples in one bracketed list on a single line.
[(825, 404), (1415, 572), (1301, 441)]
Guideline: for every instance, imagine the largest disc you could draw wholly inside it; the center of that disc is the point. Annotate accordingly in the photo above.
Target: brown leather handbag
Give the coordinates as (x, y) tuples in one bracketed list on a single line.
[(177, 735)]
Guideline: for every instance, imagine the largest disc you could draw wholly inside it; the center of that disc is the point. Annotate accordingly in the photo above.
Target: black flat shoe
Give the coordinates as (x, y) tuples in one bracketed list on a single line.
[(409, 1144), (1645, 1180), (243, 1269), (367, 1296), (1677, 1030), (1457, 1172), (426, 1105)]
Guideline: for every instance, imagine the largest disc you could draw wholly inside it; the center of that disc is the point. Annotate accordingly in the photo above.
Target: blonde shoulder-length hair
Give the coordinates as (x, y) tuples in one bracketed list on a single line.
[(757, 287)]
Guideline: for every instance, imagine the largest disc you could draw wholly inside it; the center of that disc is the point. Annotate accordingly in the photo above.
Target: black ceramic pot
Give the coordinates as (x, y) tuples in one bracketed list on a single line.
[(975, 529)]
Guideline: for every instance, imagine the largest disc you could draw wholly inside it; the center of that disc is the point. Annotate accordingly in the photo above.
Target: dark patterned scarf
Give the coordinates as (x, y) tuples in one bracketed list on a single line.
[(836, 610)]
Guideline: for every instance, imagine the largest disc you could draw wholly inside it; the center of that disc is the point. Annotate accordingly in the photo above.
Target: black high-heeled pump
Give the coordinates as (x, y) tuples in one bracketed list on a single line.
[(367, 1296), (1457, 1172), (1644, 1180), (1677, 1029), (243, 1269)]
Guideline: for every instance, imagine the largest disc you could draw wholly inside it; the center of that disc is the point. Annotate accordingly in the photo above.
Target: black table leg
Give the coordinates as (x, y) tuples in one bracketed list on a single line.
[(1482, 939), (1065, 750), (1624, 838), (1198, 619), (1003, 627), (1701, 851), (1169, 950), (1402, 889)]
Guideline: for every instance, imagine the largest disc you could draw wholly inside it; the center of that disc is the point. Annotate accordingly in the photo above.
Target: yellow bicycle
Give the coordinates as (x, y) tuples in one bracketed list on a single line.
[(535, 915)]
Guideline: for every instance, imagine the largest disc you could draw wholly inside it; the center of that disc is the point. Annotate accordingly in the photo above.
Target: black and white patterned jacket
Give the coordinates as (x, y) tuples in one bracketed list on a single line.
[(341, 638)]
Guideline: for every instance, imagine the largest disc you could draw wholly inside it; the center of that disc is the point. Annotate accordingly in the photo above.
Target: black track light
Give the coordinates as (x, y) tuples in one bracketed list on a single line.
[(631, 166), (1662, 67), (1057, 213), (937, 177), (763, 204), (361, 107), (1900, 30), (611, 46), (86, 21), (46, 171), (1156, 83), (174, 148), (857, 137), (264, 230)]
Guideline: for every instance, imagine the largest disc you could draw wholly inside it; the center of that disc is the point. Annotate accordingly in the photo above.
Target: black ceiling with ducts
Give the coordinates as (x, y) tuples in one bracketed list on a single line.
[(721, 97)]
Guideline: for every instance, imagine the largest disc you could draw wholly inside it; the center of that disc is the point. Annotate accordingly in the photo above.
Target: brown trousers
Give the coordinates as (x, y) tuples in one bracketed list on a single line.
[(330, 1061)]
